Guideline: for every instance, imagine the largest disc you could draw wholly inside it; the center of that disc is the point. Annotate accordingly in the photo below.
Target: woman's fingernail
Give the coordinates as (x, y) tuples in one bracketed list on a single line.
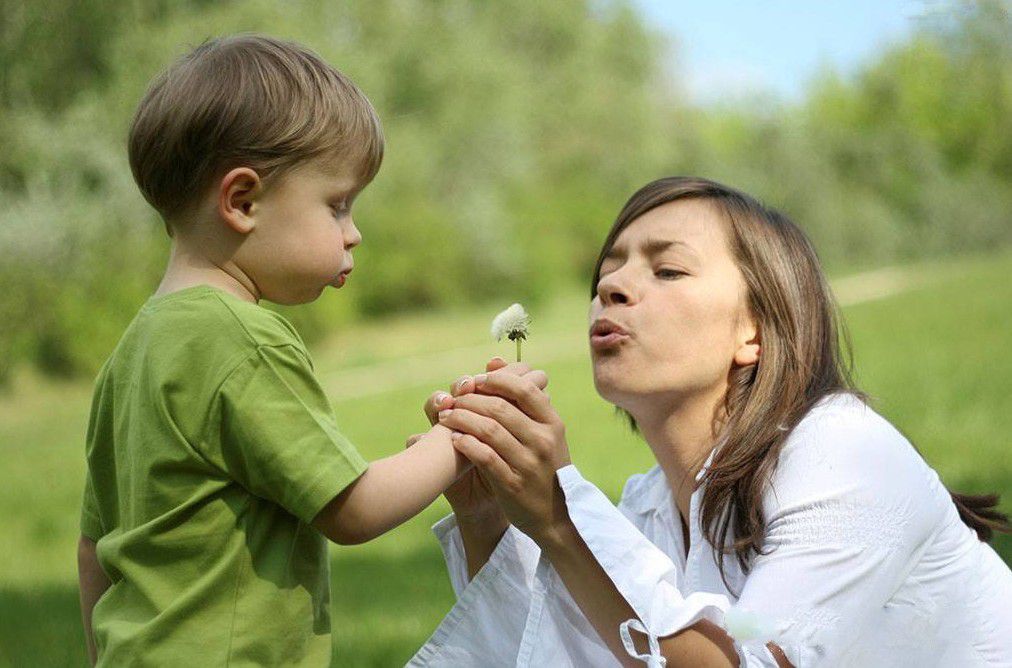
[(443, 414), (441, 397), (455, 436), (462, 382), (480, 379)]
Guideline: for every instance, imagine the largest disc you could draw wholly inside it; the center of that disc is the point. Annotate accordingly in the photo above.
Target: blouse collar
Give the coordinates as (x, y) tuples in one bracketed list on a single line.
[(653, 493)]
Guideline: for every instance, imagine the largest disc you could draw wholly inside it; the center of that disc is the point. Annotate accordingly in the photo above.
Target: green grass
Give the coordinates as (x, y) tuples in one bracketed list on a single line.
[(935, 359)]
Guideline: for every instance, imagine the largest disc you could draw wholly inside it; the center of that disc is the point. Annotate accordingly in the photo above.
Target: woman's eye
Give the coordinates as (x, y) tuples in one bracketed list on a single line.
[(668, 273)]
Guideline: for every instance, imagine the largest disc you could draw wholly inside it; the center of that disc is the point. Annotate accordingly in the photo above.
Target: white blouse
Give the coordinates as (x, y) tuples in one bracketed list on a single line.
[(868, 564)]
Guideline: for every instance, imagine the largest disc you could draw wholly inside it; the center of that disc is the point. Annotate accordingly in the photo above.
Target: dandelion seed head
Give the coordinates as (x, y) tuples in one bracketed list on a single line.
[(512, 322)]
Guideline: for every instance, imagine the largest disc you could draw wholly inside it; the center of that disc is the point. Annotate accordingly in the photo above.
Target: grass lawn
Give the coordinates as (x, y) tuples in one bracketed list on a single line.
[(933, 357)]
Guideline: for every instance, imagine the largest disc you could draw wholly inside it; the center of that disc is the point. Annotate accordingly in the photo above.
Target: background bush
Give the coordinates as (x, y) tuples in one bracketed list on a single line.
[(515, 132)]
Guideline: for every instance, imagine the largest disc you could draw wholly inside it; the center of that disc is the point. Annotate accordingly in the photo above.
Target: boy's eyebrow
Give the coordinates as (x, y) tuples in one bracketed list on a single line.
[(651, 247), (347, 191)]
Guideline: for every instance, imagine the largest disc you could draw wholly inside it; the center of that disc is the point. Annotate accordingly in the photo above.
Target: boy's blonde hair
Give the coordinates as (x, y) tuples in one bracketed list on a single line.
[(247, 100)]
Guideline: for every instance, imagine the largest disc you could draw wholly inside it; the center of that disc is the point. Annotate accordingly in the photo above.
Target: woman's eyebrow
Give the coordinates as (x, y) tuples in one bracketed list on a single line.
[(654, 246), (651, 247)]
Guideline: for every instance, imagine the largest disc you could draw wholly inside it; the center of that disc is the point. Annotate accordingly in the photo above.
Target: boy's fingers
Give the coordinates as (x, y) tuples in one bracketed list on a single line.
[(414, 438), (521, 391), (515, 368), (462, 385), (538, 377), (465, 384), (485, 459), (436, 402)]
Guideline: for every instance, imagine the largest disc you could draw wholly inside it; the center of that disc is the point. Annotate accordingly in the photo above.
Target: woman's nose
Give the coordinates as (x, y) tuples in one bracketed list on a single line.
[(612, 291)]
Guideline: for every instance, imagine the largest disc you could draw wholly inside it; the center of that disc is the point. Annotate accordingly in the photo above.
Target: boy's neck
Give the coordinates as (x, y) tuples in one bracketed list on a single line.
[(187, 268)]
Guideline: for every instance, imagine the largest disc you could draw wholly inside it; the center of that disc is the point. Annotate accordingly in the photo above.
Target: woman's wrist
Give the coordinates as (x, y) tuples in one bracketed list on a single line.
[(556, 537), (480, 534), (487, 519)]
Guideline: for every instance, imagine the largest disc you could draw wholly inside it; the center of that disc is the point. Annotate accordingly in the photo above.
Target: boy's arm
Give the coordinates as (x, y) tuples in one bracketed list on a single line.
[(94, 582), (392, 490)]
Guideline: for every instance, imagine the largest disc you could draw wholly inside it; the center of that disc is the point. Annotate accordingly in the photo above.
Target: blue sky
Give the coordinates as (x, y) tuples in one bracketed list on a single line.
[(724, 48)]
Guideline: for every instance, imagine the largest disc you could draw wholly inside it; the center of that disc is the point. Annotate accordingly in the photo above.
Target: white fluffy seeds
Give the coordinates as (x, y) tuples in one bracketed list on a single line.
[(512, 322)]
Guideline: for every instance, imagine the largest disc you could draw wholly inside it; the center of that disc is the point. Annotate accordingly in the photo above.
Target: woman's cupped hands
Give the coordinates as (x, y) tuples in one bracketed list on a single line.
[(504, 423)]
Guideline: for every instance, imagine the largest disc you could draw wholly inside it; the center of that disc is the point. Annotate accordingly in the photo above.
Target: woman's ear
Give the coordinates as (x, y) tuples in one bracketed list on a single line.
[(237, 195), (750, 344)]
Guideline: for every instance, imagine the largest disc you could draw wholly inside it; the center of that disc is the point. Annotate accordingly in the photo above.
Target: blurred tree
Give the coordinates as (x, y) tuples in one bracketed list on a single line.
[(515, 132)]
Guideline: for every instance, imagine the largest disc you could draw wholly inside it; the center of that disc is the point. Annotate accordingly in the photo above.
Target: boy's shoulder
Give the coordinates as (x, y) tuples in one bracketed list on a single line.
[(259, 325), (202, 328), (204, 305)]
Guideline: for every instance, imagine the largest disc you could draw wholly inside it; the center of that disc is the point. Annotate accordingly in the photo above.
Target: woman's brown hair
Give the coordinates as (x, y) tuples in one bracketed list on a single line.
[(802, 362)]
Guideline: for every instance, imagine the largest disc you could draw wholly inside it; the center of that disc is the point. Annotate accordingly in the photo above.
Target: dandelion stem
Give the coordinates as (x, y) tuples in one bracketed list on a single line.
[(518, 348)]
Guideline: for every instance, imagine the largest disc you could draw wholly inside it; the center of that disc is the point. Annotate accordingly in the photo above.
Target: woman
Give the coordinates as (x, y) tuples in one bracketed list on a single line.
[(714, 331)]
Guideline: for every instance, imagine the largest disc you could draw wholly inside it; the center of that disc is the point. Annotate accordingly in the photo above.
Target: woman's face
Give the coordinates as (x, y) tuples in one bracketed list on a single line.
[(671, 284)]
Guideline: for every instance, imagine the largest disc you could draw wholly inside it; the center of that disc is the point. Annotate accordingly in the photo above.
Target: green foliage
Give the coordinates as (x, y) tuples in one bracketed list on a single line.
[(515, 132)]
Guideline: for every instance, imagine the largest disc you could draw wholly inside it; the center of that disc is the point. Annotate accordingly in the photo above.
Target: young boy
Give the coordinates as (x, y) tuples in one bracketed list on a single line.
[(214, 458)]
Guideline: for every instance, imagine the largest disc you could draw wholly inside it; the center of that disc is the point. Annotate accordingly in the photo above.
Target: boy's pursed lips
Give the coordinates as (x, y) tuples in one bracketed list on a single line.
[(342, 277)]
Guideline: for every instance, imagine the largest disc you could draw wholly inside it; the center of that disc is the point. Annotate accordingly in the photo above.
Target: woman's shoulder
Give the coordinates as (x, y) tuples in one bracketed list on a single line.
[(841, 407), (842, 429), (844, 449)]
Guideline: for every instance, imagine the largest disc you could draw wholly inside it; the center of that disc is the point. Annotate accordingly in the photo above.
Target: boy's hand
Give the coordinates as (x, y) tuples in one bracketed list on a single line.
[(438, 401), (470, 497)]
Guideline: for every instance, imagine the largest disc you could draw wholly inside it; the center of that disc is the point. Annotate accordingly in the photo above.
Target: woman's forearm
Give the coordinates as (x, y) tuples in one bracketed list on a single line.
[(589, 585), (703, 644)]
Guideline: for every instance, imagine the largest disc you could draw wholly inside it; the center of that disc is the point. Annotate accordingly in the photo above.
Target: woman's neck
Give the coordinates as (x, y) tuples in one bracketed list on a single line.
[(681, 435)]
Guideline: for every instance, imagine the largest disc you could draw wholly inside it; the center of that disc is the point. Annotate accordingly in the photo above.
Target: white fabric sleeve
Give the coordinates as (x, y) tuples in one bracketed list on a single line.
[(850, 511), (643, 574), (557, 633), (486, 624)]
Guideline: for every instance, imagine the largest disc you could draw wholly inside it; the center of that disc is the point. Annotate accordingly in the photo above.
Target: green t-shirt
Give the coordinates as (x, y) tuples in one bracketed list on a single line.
[(210, 448)]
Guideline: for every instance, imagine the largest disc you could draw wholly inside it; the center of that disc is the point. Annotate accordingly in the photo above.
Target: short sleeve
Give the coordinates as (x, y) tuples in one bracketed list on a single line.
[(91, 524), (277, 433)]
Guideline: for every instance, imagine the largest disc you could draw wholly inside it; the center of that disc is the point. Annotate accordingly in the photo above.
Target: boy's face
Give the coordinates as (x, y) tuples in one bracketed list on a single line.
[(303, 234)]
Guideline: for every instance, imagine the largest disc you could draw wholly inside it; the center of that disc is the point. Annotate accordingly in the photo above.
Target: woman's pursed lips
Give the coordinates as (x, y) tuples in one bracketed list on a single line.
[(606, 333)]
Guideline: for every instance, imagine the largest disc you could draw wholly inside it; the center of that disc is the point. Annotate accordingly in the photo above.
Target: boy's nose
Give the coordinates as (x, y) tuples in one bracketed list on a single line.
[(354, 237)]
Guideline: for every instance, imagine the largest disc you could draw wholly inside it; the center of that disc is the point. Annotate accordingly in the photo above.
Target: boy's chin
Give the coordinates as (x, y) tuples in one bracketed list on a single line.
[(292, 299)]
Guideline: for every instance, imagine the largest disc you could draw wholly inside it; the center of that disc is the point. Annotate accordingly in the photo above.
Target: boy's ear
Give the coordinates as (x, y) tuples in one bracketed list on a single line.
[(237, 195)]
